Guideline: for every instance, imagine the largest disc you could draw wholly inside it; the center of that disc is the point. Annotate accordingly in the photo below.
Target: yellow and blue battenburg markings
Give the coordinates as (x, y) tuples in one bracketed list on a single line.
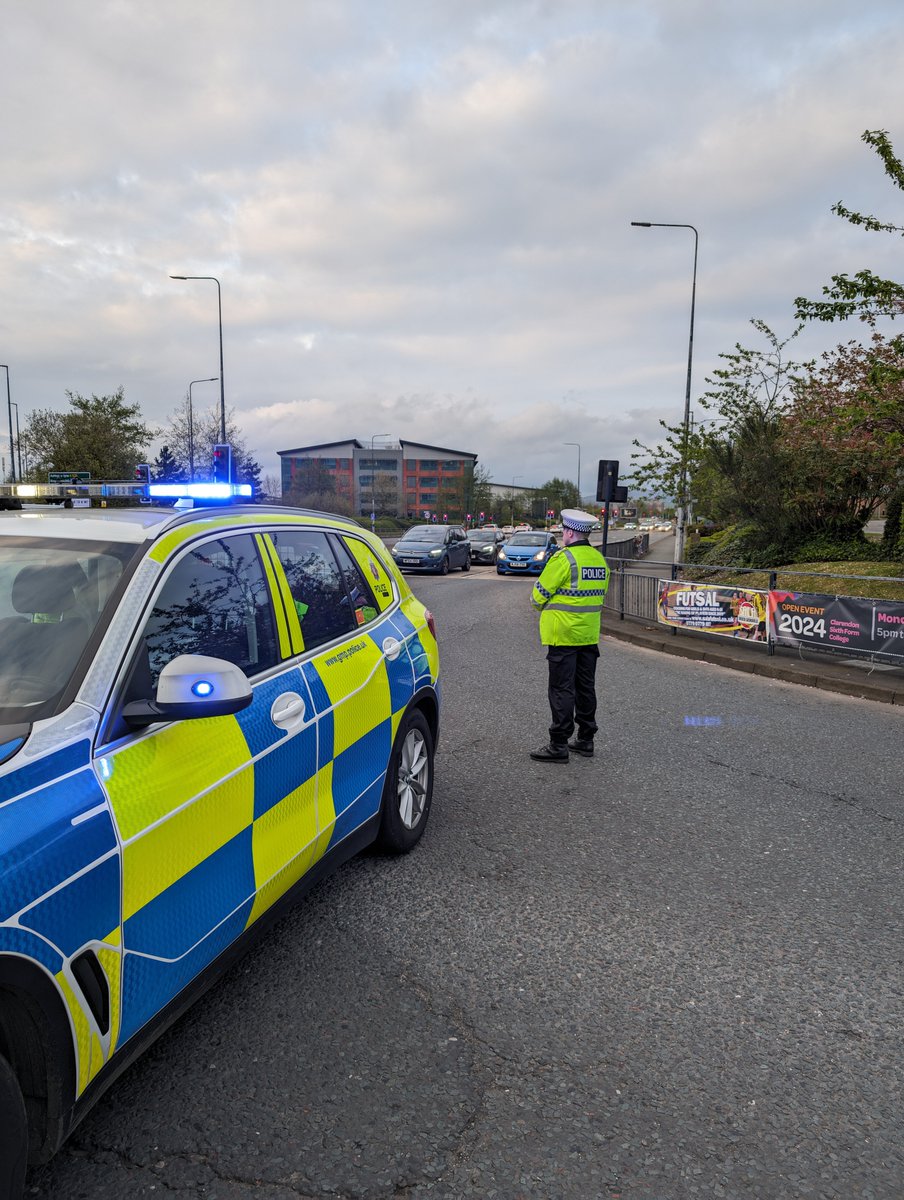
[(60, 864), (158, 854)]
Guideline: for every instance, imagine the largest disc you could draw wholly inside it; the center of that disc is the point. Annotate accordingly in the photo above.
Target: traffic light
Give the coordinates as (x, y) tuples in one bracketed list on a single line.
[(607, 488), (222, 464), (142, 473)]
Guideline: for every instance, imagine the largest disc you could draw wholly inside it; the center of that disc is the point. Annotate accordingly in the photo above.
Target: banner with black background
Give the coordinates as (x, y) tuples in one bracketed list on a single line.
[(874, 627)]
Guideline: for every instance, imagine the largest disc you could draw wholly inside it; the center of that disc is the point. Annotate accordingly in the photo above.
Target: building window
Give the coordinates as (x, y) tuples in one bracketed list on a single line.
[(429, 482), (453, 464), (377, 464), (428, 464), (428, 498)]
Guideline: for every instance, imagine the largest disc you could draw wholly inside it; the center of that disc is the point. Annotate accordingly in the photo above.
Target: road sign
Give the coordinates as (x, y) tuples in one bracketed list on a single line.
[(69, 477)]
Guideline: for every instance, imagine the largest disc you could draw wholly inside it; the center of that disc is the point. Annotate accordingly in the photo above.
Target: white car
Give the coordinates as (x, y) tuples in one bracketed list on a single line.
[(508, 530), (630, 525), (523, 528)]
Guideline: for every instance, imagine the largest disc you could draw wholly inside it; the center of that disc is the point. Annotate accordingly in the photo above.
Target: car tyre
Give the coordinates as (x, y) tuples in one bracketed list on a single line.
[(408, 790), (13, 1134), (444, 567), (466, 565)]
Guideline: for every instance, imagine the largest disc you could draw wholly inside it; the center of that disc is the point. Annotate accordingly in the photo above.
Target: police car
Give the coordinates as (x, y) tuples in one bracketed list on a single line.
[(201, 713)]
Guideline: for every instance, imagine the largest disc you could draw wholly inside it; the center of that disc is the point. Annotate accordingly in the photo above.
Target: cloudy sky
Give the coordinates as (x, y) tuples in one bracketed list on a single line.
[(419, 210)]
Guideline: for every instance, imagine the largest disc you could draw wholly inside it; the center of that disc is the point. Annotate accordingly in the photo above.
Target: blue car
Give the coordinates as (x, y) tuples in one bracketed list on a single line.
[(526, 553)]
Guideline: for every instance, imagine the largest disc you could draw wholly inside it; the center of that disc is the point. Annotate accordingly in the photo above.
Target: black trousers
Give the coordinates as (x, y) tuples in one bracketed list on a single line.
[(572, 691)]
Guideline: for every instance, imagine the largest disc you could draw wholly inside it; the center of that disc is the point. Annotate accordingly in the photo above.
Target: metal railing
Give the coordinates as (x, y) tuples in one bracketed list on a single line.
[(635, 593)]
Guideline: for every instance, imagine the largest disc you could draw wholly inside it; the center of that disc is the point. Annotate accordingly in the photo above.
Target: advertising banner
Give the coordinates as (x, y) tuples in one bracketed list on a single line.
[(713, 608), (874, 627)]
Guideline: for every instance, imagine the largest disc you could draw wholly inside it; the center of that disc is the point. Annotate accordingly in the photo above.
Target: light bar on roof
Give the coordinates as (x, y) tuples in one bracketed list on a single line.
[(199, 491)]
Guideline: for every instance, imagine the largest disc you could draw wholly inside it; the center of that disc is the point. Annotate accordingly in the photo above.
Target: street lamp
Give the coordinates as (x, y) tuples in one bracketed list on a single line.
[(514, 477), (214, 279), (373, 483), (579, 466), (18, 441), (191, 425), (681, 528), (9, 405)]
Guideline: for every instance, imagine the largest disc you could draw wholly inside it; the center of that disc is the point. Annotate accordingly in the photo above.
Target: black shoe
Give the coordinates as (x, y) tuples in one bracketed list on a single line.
[(550, 753), (582, 746)]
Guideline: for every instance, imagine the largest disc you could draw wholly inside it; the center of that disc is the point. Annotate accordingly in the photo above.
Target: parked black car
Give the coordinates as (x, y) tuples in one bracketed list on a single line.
[(485, 545), (437, 548)]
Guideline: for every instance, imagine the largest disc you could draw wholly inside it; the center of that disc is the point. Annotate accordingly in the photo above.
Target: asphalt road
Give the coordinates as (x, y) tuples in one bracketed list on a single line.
[(670, 971)]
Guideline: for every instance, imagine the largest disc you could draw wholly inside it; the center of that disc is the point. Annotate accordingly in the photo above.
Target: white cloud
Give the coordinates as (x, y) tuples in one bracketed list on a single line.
[(420, 214)]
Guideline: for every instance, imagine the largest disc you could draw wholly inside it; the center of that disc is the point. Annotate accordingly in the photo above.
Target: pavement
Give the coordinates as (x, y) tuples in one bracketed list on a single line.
[(830, 673)]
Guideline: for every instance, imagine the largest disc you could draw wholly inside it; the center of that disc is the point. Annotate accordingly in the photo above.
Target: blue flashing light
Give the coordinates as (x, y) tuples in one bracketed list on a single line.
[(202, 687), (199, 491)]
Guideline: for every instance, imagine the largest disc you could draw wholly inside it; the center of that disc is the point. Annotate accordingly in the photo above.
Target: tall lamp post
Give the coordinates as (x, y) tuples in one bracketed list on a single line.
[(9, 405), (18, 441), (681, 530), (373, 483), (514, 477), (213, 279), (579, 466), (191, 424)]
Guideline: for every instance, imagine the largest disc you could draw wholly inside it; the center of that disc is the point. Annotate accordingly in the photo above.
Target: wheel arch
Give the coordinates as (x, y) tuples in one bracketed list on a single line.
[(36, 1041), (426, 702)]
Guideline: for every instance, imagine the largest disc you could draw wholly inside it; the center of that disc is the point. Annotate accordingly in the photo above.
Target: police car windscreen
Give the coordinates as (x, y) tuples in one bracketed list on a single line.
[(52, 594)]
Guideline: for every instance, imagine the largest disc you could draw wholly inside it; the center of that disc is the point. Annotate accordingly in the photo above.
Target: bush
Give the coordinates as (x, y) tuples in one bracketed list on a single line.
[(389, 525), (824, 548), (893, 537)]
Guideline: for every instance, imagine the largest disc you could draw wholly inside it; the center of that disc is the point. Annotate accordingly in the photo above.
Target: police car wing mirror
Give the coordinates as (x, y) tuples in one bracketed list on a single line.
[(192, 685)]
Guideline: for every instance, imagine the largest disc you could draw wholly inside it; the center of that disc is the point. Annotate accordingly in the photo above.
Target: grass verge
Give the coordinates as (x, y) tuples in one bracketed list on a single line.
[(885, 580)]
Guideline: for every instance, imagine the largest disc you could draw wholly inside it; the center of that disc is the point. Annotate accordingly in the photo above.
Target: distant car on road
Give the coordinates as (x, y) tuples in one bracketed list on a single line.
[(555, 529), (630, 524), (436, 548), (523, 528), (485, 544), (508, 530), (526, 553)]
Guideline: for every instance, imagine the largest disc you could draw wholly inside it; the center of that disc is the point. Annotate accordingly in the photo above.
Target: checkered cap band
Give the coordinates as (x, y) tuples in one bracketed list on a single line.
[(576, 519)]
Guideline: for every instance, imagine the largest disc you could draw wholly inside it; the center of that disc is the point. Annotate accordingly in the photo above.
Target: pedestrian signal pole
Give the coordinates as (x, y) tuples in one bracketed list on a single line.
[(608, 492)]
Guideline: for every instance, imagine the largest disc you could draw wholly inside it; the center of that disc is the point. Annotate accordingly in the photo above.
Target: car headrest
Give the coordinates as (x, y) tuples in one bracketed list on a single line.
[(45, 589)]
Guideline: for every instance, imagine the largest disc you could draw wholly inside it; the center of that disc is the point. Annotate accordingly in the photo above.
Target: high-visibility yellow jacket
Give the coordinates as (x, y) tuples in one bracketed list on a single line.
[(569, 596)]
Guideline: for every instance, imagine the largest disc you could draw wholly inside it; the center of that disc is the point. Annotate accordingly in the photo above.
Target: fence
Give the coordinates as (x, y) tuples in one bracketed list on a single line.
[(635, 593)]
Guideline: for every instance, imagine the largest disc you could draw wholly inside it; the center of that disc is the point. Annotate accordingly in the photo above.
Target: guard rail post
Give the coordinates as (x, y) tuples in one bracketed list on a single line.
[(770, 640)]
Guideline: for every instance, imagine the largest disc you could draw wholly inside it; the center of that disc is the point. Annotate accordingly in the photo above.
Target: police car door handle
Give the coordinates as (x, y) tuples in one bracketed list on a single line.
[(392, 648), (287, 709)]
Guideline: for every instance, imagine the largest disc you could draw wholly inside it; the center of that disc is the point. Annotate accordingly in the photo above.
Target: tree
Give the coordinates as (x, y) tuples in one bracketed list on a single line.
[(100, 434), (846, 433), (561, 493), (385, 494), (753, 386), (865, 295), (248, 470), (167, 468), (193, 442), (314, 487)]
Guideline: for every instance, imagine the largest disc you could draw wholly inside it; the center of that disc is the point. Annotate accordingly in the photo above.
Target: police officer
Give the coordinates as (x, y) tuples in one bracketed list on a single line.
[(569, 597)]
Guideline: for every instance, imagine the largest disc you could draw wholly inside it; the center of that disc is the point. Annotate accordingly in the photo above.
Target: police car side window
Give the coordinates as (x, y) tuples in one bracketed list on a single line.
[(215, 601), (361, 598), (317, 587)]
